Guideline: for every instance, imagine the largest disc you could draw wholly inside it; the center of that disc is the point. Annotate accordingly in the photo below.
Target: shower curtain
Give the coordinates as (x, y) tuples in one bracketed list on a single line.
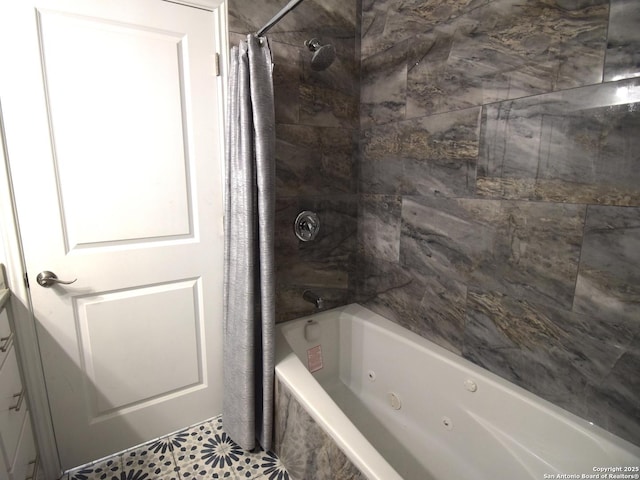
[(249, 308)]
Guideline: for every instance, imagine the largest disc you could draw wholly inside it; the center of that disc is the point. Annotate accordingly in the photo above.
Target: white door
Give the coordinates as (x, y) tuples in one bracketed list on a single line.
[(112, 122)]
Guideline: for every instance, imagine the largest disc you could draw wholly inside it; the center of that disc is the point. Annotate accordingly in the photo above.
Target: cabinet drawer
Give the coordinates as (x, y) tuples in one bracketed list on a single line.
[(25, 462), (3, 467), (11, 420), (5, 336)]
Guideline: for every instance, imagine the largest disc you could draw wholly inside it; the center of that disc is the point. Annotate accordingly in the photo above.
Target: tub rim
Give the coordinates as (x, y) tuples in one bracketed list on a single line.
[(290, 370)]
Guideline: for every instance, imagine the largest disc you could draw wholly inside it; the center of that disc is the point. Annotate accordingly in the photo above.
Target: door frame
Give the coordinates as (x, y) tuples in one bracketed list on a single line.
[(11, 245)]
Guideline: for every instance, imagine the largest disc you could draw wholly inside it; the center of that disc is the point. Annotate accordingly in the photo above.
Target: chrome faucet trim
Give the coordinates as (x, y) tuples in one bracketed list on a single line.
[(311, 297)]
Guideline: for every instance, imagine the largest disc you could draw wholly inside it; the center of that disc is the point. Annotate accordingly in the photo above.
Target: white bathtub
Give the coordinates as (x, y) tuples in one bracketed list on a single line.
[(401, 407)]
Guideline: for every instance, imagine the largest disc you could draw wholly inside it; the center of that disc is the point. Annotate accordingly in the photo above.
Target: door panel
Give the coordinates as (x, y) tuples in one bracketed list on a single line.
[(111, 326), (123, 68), (111, 118)]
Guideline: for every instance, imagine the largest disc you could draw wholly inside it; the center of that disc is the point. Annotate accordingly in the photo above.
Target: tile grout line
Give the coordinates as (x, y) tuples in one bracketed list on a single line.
[(176, 468)]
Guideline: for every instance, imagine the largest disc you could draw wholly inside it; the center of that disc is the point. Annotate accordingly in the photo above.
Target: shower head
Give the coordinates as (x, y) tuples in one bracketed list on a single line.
[(323, 55)]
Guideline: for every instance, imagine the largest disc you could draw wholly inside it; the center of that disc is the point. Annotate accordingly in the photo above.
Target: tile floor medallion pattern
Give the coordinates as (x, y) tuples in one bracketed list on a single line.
[(202, 451)]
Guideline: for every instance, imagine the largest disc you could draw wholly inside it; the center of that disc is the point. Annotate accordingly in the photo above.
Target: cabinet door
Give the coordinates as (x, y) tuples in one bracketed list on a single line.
[(4, 470), (5, 336), (25, 461), (11, 419)]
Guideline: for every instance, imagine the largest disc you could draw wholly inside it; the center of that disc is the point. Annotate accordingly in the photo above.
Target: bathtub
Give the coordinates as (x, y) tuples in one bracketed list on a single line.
[(401, 407)]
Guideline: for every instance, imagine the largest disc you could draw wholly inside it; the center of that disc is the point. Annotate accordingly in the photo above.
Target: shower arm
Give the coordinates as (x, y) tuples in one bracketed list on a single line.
[(279, 16)]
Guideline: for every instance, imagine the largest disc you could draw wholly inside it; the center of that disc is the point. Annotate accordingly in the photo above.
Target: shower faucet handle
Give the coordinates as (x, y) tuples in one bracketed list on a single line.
[(309, 225), (306, 226)]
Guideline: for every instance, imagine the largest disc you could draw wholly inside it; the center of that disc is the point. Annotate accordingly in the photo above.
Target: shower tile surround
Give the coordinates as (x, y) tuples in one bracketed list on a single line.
[(505, 171), (475, 166), (317, 116)]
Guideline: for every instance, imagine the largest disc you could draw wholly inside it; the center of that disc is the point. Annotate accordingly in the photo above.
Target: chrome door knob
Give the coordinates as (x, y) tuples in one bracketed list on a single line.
[(47, 278)]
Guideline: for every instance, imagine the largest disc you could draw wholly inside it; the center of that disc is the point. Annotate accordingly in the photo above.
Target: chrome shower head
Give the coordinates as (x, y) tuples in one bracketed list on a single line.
[(323, 55)]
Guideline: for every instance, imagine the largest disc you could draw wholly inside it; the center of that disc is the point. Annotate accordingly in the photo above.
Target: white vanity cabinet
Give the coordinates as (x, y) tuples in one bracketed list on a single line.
[(18, 453)]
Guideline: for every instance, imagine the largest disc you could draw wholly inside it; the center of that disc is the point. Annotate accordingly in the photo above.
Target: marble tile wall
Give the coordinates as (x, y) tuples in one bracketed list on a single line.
[(304, 447), (499, 181), (317, 116), (475, 167)]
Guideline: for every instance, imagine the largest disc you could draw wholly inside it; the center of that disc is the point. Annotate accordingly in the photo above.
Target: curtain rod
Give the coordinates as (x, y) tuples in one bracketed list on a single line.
[(279, 16)]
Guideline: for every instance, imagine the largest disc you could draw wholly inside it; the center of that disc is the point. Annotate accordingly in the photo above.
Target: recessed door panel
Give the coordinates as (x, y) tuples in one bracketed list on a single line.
[(140, 345), (118, 113)]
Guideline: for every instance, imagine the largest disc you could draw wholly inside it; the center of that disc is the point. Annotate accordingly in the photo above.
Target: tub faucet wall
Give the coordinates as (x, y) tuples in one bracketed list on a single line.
[(316, 138), (313, 298)]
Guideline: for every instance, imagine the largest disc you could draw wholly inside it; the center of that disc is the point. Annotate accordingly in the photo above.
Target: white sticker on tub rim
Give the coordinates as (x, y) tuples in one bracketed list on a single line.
[(315, 361)]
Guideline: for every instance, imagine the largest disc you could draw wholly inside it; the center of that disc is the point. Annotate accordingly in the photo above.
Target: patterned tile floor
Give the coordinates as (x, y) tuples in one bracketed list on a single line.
[(201, 451)]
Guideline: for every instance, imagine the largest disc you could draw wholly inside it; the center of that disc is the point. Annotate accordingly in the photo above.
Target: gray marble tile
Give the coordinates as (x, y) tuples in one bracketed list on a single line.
[(325, 265), (297, 170), (338, 217), (486, 346), (290, 304), (319, 17), (439, 312), (344, 73), (245, 18), (236, 38), (327, 107), (623, 41), (388, 22), (313, 274), (551, 352), (287, 106), (430, 305), (379, 226), (578, 146), (528, 250), (428, 57), (609, 277), (304, 448), (287, 72), (615, 403), (302, 96), (591, 345), (316, 117), (503, 50), (331, 22), (422, 156), (386, 288), (383, 87), (287, 63), (381, 176), (313, 160), (286, 243), (325, 140)]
